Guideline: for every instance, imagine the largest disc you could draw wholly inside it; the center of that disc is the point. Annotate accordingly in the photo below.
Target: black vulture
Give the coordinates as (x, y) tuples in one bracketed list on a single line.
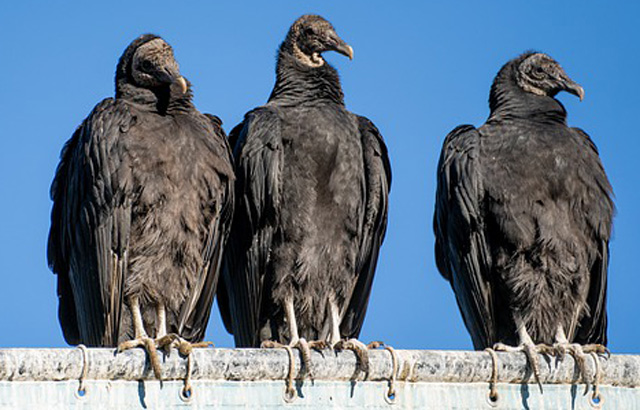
[(523, 218), (312, 186), (142, 205)]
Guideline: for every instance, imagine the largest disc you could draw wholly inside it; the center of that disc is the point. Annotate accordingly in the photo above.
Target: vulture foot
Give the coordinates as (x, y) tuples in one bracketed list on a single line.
[(290, 391), (580, 354), (173, 340), (531, 351), (597, 349), (149, 345), (391, 392), (360, 349)]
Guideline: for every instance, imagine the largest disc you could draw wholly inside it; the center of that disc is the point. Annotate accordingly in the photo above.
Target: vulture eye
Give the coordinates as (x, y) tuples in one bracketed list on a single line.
[(538, 72), (146, 65)]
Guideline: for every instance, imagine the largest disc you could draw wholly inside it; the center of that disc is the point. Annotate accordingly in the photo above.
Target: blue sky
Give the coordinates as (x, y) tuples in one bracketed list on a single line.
[(419, 70)]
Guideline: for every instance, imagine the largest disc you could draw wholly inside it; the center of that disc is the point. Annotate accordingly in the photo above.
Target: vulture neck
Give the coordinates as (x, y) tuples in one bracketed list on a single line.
[(299, 84), (165, 100), (508, 101)]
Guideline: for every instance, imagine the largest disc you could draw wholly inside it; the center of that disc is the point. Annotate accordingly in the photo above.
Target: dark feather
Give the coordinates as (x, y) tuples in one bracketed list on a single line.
[(312, 188), (142, 207), (523, 215)]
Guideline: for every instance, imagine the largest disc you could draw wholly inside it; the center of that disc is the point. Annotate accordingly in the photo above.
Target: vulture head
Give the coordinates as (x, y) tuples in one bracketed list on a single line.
[(312, 35), (148, 62), (540, 74)]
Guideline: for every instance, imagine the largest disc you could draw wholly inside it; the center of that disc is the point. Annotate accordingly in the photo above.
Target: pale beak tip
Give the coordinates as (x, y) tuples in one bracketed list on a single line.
[(183, 84)]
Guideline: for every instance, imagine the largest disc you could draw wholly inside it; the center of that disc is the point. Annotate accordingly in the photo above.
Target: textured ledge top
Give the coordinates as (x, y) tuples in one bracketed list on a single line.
[(272, 364)]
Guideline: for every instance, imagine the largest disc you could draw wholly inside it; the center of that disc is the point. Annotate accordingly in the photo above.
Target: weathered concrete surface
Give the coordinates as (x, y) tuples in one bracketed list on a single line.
[(319, 395), (272, 364), (254, 379)]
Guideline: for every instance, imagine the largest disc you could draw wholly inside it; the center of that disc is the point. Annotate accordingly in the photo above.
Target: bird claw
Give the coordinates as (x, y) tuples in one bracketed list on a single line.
[(303, 346), (375, 344), (290, 391), (531, 351), (559, 351), (270, 344), (149, 345), (173, 340), (318, 344), (361, 351), (597, 349), (493, 381), (391, 392), (579, 356), (164, 343)]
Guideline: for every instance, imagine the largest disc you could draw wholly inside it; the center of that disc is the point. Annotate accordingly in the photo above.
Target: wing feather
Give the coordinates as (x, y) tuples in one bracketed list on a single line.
[(378, 183), (593, 326), (461, 250), (258, 158), (216, 185), (90, 224)]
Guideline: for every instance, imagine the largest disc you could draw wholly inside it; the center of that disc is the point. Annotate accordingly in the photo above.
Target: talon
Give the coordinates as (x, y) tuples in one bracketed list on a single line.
[(576, 351), (493, 381), (375, 344), (596, 348), (166, 342), (597, 375), (360, 350), (270, 344), (200, 345), (560, 351), (129, 344), (318, 344), (149, 346), (531, 351), (305, 351), (290, 390), (532, 355)]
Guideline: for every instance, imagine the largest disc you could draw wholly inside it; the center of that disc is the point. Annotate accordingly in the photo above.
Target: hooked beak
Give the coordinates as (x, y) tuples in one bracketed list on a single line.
[(572, 87), (172, 76), (338, 44), (184, 87)]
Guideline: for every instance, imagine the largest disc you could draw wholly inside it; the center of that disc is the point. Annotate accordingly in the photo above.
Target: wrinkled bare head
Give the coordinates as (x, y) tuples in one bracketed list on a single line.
[(540, 74), (310, 36), (148, 62)]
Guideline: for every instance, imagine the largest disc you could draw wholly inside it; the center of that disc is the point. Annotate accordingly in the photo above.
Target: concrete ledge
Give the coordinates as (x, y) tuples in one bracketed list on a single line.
[(272, 364), (254, 379)]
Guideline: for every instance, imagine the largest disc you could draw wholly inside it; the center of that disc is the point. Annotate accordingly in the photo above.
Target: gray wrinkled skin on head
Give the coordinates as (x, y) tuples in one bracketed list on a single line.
[(149, 59), (539, 74)]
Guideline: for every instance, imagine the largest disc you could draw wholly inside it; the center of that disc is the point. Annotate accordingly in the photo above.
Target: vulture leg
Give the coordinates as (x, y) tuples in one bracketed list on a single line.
[(529, 348), (334, 338), (360, 349), (299, 342), (141, 339), (173, 340), (296, 341), (161, 331)]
